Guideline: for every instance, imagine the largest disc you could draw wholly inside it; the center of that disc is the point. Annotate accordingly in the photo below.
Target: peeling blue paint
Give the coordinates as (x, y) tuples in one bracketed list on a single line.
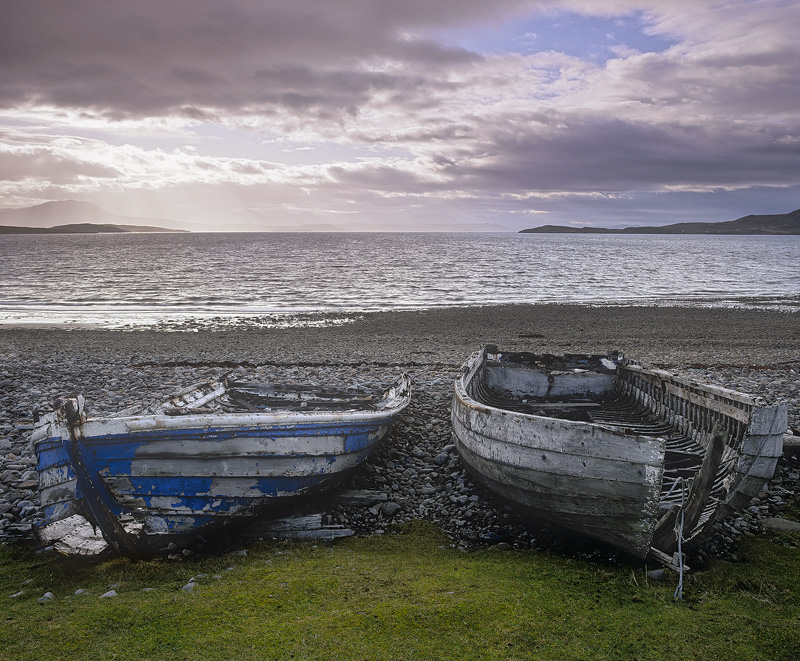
[(140, 494), (186, 503)]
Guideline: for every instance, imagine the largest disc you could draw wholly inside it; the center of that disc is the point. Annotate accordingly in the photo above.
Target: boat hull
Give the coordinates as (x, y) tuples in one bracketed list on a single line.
[(147, 481), (165, 486), (580, 476)]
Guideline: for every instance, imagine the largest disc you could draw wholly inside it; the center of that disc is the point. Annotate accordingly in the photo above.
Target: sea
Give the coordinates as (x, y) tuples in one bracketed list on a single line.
[(195, 281)]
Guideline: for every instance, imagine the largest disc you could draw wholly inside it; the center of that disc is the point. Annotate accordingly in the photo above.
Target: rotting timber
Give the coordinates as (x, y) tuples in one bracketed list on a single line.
[(639, 458)]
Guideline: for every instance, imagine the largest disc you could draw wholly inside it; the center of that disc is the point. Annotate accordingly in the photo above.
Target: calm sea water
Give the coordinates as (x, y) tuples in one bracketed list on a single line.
[(282, 279)]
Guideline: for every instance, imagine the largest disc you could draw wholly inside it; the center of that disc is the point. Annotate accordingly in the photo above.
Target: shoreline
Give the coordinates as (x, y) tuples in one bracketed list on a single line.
[(753, 351), (163, 319), (662, 335)]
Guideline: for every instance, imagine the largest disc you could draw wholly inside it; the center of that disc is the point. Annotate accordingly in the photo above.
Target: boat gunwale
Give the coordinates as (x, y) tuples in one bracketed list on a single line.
[(472, 403), (719, 391), (394, 399)]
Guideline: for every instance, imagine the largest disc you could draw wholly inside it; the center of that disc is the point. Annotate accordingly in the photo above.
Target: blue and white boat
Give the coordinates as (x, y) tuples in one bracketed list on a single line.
[(219, 452)]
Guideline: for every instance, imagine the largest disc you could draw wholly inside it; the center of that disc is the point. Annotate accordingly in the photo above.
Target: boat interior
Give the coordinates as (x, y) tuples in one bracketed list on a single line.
[(242, 396), (227, 396)]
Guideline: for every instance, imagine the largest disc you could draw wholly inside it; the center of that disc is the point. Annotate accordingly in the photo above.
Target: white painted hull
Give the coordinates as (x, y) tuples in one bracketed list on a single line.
[(607, 481)]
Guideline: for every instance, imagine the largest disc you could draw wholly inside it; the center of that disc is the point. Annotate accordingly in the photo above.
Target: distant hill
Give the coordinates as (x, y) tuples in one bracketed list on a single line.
[(73, 217), (787, 223), (83, 228)]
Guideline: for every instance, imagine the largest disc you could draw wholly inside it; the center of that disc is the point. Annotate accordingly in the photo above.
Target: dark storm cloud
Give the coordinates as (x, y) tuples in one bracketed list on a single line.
[(155, 57), (600, 154)]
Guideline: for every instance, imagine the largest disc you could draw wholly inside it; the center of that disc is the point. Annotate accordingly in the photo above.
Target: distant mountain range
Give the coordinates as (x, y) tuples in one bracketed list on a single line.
[(786, 223), (74, 217)]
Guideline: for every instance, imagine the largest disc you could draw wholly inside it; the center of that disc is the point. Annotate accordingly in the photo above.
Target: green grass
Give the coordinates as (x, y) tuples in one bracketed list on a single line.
[(405, 595)]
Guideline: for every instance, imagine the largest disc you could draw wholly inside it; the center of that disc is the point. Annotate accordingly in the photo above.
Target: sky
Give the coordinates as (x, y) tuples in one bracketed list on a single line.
[(412, 115)]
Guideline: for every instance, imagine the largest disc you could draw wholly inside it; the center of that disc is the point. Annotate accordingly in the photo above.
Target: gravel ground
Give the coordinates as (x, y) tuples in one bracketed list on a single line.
[(749, 350)]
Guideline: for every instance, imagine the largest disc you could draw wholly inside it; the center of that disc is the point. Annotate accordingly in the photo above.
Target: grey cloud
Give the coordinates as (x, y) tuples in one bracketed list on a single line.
[(379, 178), (41, 163), (718, 110), (151, 58), (585, 153), (615, 155)]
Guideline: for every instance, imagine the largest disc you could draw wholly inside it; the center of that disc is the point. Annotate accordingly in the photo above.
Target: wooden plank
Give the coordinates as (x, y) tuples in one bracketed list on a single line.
[(194, 396), (359, 497), (581, 439), (704, 480), (762, 446), (656, 377), (749, 486), (73, 535), (667, 560), (769, 420), (757, 467), (534, 383), (664, 538), (557, 465), (709, 402), (630, 529), (583, 496), (238, 467), (555, 406), (242, 445)]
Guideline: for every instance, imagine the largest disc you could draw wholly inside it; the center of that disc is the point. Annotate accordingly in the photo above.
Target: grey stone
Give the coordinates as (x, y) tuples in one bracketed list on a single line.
[(108, 595), (390, 508), (656, 575), (784, 525)]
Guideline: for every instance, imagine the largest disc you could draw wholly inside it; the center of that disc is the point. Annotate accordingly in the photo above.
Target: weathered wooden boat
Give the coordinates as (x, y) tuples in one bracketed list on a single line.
[(214, 454), (602, 446)]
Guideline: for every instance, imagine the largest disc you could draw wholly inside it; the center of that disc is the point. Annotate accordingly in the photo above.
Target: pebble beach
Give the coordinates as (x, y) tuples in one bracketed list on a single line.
[(754, 351)]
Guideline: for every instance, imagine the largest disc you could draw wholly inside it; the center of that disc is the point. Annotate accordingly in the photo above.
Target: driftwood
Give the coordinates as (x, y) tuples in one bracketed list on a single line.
[(304, 525), (791, 443)]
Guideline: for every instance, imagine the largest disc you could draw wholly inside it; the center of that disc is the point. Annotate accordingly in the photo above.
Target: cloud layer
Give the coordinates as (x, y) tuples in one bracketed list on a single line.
[(304, 111)]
